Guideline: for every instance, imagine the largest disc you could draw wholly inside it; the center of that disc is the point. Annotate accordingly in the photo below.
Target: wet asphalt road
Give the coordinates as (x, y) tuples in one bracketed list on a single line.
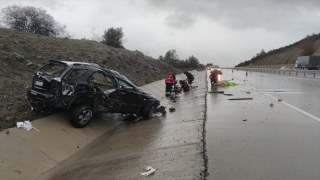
[(263, 138)]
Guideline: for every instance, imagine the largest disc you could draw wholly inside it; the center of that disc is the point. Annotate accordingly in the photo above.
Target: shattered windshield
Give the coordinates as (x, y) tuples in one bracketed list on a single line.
[(53, 69), (125, 78)]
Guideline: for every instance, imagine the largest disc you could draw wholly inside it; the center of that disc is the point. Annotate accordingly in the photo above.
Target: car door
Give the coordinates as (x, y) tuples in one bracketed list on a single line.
[(130, 97), (104, 91), (72, 79)]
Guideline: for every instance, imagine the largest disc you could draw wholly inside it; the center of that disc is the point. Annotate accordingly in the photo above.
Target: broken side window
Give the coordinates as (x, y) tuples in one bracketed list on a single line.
[(104, 82), (98, 77), (76, 73), (54, 69), (125, 85)]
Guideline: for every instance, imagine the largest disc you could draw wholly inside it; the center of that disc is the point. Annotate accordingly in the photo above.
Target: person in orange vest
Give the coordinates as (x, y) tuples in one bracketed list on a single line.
[(170, 78)]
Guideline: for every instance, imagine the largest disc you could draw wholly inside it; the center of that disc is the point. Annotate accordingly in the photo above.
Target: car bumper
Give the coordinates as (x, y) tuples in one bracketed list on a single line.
[(36, 99)]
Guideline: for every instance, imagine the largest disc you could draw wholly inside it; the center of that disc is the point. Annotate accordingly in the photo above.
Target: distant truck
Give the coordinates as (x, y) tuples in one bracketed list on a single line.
[(308, 62)]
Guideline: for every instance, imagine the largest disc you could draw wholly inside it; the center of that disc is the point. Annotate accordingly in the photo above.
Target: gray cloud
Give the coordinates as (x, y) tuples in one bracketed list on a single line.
[(244, 14), (180, 20)]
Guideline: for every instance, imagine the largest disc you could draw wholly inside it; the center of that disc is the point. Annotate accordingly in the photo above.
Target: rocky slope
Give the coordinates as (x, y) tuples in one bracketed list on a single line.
[(21, 54), (287, 57)]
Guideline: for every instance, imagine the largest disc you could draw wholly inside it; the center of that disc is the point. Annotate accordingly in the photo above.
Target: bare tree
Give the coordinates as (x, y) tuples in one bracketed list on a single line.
[(95, 37), (31, 19)]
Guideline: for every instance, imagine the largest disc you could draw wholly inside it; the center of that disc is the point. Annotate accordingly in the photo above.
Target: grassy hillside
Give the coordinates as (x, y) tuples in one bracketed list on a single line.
[(284, 55), (21, 54)]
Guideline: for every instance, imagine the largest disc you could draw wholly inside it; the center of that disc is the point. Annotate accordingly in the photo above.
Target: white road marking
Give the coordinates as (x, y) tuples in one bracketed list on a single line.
[(293, 107)]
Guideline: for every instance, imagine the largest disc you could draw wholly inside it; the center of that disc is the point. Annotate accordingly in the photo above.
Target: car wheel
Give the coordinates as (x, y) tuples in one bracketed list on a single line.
[(148, 111), (81, 116)]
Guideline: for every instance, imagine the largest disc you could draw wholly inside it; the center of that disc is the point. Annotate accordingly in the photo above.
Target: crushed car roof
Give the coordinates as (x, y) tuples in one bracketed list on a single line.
[(75, 63)]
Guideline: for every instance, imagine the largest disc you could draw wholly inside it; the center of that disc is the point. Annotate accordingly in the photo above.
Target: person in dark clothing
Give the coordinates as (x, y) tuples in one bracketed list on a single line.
[(184, 86), (189, 77)]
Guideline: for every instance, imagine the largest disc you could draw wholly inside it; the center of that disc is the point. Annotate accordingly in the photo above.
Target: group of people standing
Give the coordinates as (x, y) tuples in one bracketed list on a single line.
[(171, 82)]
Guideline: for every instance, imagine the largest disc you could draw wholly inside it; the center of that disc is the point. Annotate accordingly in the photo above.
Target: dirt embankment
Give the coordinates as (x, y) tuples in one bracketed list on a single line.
[(21, 54), (288, 56)]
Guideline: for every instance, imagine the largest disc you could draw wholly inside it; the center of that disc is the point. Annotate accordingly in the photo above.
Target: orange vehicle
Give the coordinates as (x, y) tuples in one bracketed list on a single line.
[(209, 65)]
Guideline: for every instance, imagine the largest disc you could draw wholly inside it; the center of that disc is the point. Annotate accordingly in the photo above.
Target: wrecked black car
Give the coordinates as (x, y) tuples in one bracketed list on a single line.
[(84, 89)]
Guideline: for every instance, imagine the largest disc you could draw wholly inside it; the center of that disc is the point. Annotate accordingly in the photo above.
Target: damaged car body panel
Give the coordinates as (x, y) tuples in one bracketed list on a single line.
[(86, 88)]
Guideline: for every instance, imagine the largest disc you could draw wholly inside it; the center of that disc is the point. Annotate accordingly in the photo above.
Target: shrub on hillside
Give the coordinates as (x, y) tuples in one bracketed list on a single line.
[(113, 37)]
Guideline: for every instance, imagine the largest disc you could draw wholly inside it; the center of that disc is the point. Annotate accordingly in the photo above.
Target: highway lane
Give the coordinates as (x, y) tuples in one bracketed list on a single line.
[(263, 138), (301, 92)]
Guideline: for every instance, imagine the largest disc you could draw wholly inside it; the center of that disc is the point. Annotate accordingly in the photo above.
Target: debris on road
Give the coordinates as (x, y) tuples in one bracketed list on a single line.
[(130, 118), (244, 120), (271, 105), (26, 125), (248, 92), (172, 109), (215, 91), (228, 94), (241, 99), (149, 170), (231, 83), (161, 109), (279, 100)]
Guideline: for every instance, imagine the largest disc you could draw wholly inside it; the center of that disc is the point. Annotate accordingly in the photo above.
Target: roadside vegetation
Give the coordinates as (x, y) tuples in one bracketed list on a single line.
[(172, 58)]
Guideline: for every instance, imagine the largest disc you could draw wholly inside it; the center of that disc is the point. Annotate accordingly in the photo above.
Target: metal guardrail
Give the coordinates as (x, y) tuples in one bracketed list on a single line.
[(290, 72)]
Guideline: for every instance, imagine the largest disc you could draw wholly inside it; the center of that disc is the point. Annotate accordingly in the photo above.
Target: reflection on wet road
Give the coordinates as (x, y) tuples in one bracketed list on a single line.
[(273, 136)]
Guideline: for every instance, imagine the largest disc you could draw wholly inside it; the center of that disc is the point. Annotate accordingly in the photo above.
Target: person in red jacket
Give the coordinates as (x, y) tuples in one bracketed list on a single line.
[(170, 78)]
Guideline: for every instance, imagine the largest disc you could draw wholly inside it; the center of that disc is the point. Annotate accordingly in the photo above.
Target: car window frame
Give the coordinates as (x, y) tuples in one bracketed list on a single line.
[(127, 83)]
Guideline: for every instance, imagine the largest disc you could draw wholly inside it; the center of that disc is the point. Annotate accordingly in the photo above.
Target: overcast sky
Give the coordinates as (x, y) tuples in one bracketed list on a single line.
[(224, 32)]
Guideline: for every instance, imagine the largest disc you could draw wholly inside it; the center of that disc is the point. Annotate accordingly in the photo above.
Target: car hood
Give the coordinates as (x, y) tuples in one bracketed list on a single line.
[(148, 94)]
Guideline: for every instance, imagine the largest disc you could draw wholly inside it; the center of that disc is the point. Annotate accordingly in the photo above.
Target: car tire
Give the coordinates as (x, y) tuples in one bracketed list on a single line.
[(148, 111), (81, 116)]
